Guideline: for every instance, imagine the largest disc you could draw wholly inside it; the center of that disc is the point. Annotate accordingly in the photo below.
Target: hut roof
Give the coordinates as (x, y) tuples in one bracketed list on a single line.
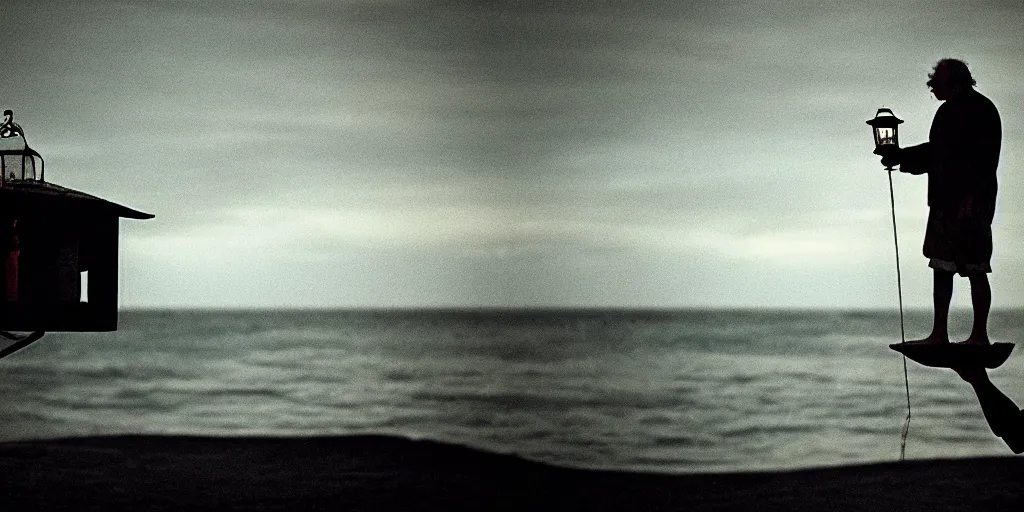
[(45, 190)]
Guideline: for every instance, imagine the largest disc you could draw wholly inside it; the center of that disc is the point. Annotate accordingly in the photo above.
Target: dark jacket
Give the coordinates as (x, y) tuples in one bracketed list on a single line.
[(961, 154)]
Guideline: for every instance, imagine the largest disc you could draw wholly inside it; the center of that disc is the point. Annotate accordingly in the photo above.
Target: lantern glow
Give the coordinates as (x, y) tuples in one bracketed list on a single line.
[(885, 136), (885, 126)]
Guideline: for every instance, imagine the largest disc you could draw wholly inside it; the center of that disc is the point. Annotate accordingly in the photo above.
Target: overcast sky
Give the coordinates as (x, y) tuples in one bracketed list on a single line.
[(412, 153)]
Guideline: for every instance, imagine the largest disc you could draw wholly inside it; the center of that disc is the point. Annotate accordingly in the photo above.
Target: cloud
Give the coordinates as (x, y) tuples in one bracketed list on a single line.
[(503, 152)]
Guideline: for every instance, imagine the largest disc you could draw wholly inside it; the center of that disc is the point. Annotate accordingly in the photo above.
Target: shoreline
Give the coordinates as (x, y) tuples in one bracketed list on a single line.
[(393, 473)]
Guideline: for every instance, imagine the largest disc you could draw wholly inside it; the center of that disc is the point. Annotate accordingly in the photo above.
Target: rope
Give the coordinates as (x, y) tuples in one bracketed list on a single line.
[(903, 337)]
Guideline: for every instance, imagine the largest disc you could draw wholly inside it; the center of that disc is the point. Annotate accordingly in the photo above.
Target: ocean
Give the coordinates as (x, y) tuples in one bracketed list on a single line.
[(656, 391)]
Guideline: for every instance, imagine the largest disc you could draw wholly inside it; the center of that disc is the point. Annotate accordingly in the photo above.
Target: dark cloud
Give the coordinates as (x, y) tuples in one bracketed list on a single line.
[(494, 146)]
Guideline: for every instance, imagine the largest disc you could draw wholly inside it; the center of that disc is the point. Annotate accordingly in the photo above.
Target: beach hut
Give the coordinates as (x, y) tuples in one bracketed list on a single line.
[(58, 247)]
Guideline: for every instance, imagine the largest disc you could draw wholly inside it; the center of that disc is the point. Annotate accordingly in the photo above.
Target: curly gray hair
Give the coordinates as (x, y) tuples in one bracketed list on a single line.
[(957, 72)]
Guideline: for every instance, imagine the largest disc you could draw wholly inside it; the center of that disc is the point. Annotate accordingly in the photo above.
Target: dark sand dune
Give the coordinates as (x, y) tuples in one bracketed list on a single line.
[(383, 473)]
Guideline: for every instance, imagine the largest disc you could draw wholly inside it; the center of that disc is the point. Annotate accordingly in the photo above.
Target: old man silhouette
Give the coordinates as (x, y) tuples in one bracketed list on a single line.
[(960, 159)]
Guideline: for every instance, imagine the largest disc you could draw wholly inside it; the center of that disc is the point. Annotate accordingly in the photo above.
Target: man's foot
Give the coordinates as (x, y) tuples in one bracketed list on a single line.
[(976, 340), (930, 340)]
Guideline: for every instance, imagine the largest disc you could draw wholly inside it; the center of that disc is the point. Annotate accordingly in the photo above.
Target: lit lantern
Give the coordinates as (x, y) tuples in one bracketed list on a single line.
[(885, 126)]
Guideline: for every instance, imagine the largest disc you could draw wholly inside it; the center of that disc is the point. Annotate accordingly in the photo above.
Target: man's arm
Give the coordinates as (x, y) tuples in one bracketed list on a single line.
[(916, 159), (1003, 416)]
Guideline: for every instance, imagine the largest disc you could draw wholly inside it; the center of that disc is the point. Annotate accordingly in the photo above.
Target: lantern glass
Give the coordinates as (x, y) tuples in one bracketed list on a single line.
[(885, 136)]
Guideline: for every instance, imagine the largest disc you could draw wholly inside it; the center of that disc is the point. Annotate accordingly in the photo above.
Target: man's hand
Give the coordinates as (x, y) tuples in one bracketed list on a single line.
[(891, 155)]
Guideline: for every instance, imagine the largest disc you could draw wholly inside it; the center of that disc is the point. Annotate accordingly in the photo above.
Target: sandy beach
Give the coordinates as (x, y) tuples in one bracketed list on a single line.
[(386, 473)]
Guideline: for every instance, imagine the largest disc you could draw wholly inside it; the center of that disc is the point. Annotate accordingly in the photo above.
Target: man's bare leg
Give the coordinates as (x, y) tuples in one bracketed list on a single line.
[(942, 294), (981, 300)]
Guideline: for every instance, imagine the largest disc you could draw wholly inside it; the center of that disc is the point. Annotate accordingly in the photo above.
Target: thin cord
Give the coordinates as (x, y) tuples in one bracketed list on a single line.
[(903, 337)]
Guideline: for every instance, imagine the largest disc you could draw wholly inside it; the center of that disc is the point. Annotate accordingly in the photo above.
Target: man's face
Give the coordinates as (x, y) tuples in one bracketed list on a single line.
[(940, 84)]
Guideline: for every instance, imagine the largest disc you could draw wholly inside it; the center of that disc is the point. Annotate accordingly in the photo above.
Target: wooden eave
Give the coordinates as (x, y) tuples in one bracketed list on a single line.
[(36, 192)]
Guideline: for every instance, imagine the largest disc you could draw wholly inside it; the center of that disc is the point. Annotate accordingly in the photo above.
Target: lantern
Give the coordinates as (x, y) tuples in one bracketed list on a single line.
[(885, 126)]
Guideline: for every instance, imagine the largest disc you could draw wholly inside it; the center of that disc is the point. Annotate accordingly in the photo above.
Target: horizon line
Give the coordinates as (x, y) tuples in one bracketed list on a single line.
[(549, 308)]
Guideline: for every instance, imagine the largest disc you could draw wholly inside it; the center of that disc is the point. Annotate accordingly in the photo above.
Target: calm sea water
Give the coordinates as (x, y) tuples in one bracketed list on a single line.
[(681, 391)]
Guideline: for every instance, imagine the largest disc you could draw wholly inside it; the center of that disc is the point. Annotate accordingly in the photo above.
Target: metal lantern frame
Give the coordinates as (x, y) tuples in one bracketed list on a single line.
[(10, 170), (885, 128)]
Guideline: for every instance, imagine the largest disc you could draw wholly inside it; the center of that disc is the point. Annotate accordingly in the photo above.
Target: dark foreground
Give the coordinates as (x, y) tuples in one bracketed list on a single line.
[(382, 473)]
